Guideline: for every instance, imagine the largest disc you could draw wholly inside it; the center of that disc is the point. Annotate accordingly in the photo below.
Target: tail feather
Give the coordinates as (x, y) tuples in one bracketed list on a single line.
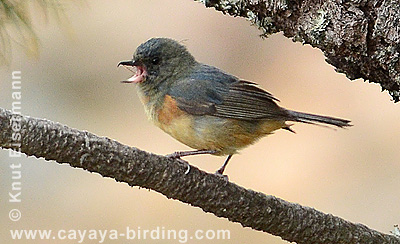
[(313, 118)]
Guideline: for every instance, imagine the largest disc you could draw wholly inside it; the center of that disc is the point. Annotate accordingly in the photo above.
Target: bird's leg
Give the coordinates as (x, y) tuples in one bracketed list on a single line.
[(189, 153), (178, 155), (220, 171)]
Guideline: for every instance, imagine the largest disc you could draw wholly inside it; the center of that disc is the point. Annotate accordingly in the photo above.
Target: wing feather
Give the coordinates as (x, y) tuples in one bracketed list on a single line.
[(213, 92), (248, 102)]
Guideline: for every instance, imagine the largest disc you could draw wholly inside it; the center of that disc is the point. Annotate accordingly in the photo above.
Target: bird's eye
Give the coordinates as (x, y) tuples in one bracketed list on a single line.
[(155, 61)]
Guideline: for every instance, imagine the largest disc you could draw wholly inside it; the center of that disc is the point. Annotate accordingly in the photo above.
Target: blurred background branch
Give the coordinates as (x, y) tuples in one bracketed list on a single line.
[(359, 38), (16, 25), (210, 192)]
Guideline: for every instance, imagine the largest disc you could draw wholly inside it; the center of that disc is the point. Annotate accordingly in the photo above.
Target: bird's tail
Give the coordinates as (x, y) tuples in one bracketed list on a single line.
[(313, 119)]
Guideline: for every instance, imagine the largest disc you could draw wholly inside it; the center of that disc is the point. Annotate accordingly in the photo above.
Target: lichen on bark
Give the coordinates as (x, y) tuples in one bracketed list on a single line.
[(359, 38)]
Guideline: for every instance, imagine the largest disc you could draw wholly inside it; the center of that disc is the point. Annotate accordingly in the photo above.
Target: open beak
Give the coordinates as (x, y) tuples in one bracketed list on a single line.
[(139, 74)]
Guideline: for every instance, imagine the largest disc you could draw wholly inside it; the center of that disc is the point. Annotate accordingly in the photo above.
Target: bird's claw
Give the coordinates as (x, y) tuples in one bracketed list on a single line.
[(177, 157), (225, 177), (174, 155)]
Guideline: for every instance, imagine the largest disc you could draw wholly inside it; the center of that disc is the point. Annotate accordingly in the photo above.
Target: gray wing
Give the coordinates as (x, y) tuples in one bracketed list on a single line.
[(196, 96), (213, 92), (244, 100)]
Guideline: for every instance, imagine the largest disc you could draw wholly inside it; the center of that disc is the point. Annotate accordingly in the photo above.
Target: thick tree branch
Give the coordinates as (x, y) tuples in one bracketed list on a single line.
[(361, 38), (212, 193)]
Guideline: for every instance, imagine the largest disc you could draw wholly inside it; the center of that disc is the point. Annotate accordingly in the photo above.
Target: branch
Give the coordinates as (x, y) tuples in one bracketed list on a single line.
[(360, 38), (212, 193)]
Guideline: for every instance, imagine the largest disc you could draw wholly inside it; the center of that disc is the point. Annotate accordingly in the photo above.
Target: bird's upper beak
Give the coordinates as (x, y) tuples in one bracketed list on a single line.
[(139, 73), (129, 63)]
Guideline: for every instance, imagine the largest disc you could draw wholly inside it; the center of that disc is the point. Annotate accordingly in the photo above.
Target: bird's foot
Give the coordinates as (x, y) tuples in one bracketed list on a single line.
[(177, 156), (218, 173)]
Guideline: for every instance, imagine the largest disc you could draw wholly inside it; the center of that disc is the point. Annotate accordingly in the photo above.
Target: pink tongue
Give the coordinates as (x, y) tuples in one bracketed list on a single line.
[(138, 76), (135, 79)]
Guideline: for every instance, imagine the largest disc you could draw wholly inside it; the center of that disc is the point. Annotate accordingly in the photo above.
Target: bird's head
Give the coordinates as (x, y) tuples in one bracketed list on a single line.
[(158, 61)]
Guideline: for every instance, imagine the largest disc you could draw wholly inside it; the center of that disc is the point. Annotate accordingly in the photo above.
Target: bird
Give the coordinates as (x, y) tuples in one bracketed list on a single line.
[(205, 107)]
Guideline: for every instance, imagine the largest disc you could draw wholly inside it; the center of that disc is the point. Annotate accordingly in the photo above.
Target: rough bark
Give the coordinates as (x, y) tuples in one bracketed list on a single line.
[(360, 38), (212, 193)]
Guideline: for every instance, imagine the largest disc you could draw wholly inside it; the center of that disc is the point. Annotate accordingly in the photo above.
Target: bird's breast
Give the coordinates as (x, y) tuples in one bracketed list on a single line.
[(164, 113)]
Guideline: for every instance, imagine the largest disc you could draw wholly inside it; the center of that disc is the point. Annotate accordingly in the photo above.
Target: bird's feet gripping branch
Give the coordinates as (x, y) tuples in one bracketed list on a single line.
[(178, 155)]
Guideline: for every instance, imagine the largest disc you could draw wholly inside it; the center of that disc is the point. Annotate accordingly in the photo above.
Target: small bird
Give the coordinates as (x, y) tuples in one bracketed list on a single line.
[(204, 107)]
